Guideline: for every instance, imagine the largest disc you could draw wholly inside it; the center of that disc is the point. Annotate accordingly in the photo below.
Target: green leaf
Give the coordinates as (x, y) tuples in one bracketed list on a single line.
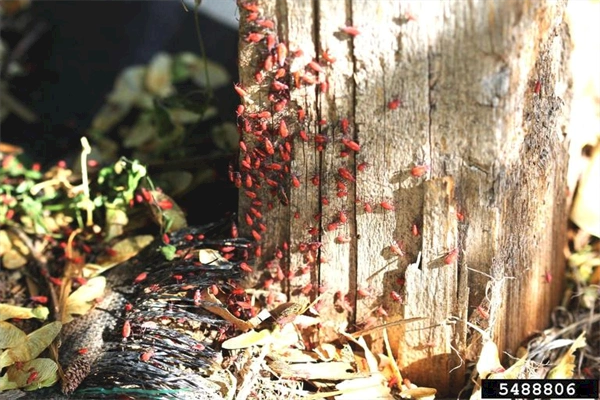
[(168, 251)]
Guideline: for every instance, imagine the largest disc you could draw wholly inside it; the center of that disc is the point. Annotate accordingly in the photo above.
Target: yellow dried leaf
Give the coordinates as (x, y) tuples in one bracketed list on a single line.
[(8, 311), (335, 370), (170, 211), (585, 211), (565, 366), (159, 77), (32, 346), (326, 352), (372, 387), (123, 250), (12, 259), (488, 360), (32, 375), (419, 393), (5, 242), (83, 299), (10, 335), (248, 339), (211, 257)]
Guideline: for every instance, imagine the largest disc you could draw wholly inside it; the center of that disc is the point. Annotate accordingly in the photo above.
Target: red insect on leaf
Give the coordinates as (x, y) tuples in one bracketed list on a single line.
[(367, 207), (315, 66), (126, 331), (341, 239), (451, 257), (307, 289), (345, 174), (483, 313), (245, 267), (387, 206), (396, 248), (39, 299), (419, 170), (82, 351), (280, 73), (282, 52), (268, 64), (256, 235), (327, 57), (332, 226), (538, 87), (301, 114), (395, 296), (350, 30), (248, 181), (254, 37), (351, 144), (415, 230), (147, 355), (295, 181), (278, 86), (266, 23), (271, 40), (33, 375), (141, 277), (394, 104), (283, 130), (240, 91)]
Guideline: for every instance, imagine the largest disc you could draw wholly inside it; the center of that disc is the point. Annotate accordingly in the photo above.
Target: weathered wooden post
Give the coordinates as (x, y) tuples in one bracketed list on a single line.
[(437, 131)]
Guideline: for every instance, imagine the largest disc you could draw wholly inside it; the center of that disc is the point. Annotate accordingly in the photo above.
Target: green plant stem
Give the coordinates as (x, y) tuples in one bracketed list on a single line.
[(202, 49)]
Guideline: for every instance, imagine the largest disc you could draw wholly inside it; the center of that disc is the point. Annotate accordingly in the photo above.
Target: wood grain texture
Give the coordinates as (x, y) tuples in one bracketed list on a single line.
[(466, 74)]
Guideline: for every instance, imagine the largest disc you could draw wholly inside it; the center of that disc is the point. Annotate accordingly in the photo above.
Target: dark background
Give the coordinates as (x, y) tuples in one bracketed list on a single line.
[(73, 64)]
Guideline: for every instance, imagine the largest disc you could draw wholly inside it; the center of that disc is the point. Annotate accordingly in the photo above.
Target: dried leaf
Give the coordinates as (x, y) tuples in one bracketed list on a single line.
[(12, 259), (226, 137), (122, 251), (335, 370), (196, 66), (32, 346), (213, 305), (419, 393), (565, 366), (10, 335), (326, 352), (32, 375), (371, 360), (83, 299), (211, 257), (8, 311), (166, 212), (142, 132), (129, 85), (489, 361), (5, 242), (158, 76), (248, 339), (585, 211), (372, 387)]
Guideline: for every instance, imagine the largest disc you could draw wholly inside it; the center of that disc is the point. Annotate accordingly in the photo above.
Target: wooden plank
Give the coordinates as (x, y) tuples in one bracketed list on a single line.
[(443, 101)]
